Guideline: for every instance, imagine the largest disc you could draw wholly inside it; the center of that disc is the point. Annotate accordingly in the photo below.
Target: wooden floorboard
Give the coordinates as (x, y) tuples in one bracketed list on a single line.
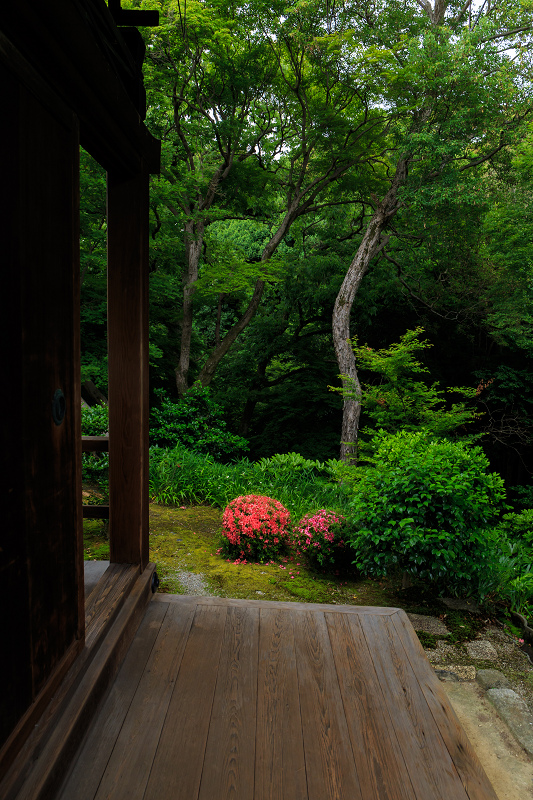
[(380, 764), (252, 700), (279, 753)]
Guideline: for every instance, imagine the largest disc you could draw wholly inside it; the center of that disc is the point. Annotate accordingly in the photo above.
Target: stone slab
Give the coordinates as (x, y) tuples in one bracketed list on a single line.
[(482, 650), (432, 625), (455, 672), (515, 713), (492, 679), (461, 605)]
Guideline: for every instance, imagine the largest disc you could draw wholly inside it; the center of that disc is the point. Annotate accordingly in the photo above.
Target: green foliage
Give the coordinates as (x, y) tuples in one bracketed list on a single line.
[(196, 421), (180, 475), (255, 528), (518, 527), (398, 401), (95, 466), (426, 507)]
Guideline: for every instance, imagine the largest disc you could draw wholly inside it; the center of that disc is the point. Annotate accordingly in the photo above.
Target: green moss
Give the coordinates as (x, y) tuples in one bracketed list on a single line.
[(427, 640), (186, 539), (95, 540)]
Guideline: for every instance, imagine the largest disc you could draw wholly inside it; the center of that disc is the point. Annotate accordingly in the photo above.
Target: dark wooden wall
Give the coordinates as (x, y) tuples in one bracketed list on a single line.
[(41, 556), (67, 74)]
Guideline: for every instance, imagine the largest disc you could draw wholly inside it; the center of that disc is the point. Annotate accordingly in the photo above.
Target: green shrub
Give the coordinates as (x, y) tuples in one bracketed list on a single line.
[(95, 466), (426, 508), (518, 527), (255, 528), (196, 422)]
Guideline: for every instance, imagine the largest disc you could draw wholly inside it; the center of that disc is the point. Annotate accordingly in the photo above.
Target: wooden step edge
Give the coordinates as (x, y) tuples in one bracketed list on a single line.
[(58, 741), (102, 606)]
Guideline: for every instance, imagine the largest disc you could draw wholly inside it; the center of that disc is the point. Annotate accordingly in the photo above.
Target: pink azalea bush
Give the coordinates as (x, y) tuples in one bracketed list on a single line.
[(255, 528), (319, 537)]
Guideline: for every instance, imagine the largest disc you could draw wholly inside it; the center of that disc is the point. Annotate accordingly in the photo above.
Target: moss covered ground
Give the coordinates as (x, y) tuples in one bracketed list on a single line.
[(187, 539)]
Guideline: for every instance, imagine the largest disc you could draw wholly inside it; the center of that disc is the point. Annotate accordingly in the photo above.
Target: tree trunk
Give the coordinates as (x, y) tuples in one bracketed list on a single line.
[(371, 244), (194, 240)]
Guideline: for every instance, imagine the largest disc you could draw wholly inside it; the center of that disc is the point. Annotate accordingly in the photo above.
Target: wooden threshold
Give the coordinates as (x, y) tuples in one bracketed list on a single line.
[(258, 700), (114, 610)]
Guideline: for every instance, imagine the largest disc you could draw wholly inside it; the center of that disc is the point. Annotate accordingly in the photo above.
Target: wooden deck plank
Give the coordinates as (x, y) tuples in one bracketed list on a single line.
[(290, 606), (230, 753), (279, 761), (179, 760), (379, 760), (83, 781), (432, 772), (276, 701), (472, 774), (330, 765), (127, 772)]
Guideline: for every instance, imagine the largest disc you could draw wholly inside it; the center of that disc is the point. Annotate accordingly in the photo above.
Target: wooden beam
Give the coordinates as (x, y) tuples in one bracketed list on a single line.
[(80, 53), (95, 512), (94, 444), (127, 242)]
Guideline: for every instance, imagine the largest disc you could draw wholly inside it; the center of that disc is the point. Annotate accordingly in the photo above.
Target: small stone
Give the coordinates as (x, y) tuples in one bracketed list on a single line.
[(492, 679), (459, 672), (428, 624), (258, 592), (481, 649)]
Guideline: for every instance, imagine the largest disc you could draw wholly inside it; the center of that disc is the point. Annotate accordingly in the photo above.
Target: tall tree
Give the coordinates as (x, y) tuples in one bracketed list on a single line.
[(456, 89), (259, 118)]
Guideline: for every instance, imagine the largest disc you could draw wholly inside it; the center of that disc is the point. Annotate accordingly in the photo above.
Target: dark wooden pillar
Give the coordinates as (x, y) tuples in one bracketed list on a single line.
[(41, 552), (127, 209)]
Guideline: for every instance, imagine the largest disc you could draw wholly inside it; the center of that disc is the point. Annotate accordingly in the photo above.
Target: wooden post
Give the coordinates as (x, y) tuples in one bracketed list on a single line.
[(127, 309)]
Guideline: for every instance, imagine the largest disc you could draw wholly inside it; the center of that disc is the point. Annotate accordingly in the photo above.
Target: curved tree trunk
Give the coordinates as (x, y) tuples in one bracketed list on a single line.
[(371, 244)]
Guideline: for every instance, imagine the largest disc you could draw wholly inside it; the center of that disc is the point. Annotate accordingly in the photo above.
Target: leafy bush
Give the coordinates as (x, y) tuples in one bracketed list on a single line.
[(399, 401), (426, 507), (95, 466), (319, 537), (255, 528), (518, 527), (196, 422)]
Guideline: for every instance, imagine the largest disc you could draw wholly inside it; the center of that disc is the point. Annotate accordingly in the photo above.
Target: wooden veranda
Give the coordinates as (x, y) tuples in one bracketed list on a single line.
[(252, 700)]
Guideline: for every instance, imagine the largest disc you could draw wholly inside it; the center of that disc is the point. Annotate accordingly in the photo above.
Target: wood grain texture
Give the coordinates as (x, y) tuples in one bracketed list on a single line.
[(279, 758), (230, 601), (127, 772), (127, 306), (179, 760), (382, 772), (432, 771), (269, 702), (85, 777), (461, 751), (230, 751), (329, 760)]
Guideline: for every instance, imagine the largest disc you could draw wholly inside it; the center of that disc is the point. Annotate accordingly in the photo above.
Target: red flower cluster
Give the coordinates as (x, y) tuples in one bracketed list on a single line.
[(255, 528), (319, 536)]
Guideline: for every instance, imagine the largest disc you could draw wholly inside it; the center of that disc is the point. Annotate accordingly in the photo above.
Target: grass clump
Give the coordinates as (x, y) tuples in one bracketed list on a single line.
[(180, 476)]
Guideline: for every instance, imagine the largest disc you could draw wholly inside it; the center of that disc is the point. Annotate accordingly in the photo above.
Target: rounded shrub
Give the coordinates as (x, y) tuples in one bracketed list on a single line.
[(319, 537), (255, 528), (426, 507)]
